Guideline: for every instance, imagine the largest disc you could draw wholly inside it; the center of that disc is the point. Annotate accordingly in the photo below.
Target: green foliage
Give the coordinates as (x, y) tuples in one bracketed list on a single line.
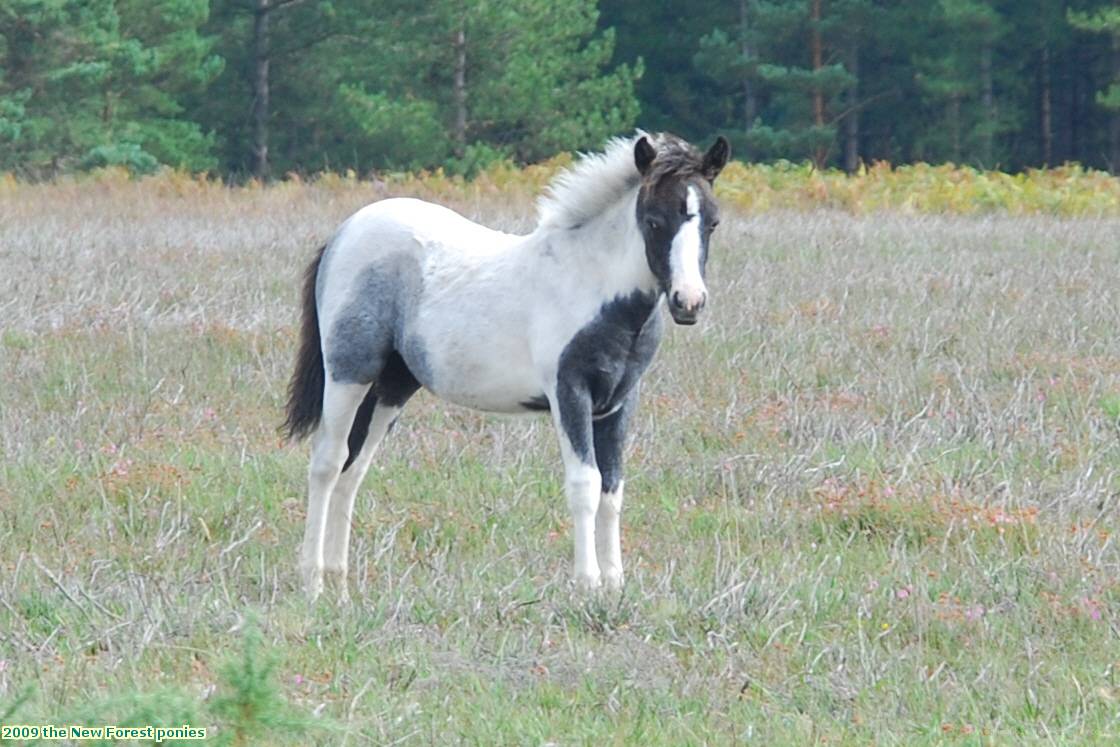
[(90, 84), (545, 89), (829, 77), (129, 155), (251, 708), (357, 90), (459, 84), (725, 59), (8, 710), (406, 132), (162, 707), (767, 142), (248, 707), (477, 158), (778, 121), (1101, 21), (1105, 21), (1110, 97), (982, 82), (1110, 405)]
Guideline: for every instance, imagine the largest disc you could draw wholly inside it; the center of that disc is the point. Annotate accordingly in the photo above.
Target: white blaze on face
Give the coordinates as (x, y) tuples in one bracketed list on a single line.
[(684, 258)]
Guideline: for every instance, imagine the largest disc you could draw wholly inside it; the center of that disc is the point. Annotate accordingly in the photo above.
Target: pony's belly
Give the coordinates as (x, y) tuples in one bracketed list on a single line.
[(494, 378), (492, 389)]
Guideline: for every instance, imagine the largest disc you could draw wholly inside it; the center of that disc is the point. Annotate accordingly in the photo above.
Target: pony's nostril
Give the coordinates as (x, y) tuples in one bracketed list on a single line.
[(677, 302)]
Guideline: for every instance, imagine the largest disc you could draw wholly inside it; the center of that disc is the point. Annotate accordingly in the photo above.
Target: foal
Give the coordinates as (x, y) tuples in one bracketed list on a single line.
[(409, 294)]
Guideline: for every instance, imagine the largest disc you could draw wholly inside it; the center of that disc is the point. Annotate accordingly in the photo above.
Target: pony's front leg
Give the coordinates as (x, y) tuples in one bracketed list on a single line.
[(582, 483), (610, 440)]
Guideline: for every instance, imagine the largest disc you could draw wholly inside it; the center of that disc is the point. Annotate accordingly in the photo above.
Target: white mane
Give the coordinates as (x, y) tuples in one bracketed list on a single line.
[(592, 184)]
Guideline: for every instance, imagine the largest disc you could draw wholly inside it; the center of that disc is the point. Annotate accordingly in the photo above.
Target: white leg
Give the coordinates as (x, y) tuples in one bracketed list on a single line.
[(328, 453), (608, 548), (336, 543), (582, 485), (610, 440)]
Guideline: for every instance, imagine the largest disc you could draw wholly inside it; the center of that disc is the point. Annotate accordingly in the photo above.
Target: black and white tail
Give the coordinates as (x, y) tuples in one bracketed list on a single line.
[(305, 392)]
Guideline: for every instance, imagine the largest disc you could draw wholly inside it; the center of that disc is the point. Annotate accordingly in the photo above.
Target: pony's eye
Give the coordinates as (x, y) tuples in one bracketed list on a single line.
[(713, 224), (654, 224)]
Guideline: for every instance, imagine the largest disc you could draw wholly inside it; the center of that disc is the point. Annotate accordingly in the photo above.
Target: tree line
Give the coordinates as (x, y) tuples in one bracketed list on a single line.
[(263, 87), (994, 83)]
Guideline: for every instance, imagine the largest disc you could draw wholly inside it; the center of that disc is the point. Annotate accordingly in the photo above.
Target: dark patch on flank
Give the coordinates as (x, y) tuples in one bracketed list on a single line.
[(372, 322), (395, 385), (603, 362), (367, 343), (360, 429)]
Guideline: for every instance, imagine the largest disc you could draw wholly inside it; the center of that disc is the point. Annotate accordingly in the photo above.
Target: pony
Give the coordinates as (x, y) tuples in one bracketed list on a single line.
[(564, 320)]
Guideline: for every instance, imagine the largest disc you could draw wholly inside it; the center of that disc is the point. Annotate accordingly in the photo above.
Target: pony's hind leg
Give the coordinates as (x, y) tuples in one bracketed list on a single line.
[(382, 405), (336, 543), (328, 455)]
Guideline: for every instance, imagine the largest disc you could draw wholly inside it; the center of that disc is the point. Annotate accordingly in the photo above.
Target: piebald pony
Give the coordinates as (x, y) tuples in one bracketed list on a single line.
[(409, 294)]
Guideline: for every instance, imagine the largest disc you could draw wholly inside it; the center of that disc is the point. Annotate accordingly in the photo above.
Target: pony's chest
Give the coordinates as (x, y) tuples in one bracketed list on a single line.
[(610, 353)]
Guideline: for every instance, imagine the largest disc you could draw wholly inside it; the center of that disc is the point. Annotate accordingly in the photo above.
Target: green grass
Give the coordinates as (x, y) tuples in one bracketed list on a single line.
[(871, 499)]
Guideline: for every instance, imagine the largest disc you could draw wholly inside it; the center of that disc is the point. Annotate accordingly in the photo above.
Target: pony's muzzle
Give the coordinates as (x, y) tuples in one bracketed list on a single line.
[(685, 306)]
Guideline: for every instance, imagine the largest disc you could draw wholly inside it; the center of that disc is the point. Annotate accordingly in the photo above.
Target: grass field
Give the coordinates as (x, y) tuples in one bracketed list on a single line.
[(872, 498)]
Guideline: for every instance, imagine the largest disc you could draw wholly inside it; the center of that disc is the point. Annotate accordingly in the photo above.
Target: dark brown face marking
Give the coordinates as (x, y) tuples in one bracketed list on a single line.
[(668, 171)]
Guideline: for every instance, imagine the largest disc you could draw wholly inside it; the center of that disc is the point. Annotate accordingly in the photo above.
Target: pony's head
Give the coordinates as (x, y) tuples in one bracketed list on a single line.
[(676, 214)]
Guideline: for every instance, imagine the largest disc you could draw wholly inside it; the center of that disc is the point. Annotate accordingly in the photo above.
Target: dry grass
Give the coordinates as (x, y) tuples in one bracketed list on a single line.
[(871, 499)]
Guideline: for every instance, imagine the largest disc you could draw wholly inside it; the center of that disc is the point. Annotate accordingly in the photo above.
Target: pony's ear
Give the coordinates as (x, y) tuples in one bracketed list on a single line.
[(643, 155), (716, 158)]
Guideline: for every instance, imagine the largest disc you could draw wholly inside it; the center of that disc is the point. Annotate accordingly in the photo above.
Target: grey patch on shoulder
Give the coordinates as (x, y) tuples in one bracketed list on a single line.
[(375, 320)]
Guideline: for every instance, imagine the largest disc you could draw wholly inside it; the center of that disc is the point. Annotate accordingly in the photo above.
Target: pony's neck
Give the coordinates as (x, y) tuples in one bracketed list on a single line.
[(611, 246)]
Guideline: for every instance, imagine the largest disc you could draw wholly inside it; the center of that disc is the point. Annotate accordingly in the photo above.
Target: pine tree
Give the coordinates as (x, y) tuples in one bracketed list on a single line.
[(800, 98), (100, 82), (1106, 21), (409, 86), (853, 28), (732, 60), (540, 83), (957, 71)]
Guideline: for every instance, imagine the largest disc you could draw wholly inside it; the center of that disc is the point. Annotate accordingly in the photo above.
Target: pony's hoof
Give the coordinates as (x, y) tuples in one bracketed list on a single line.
[(312, 582), (335, 580), (587, 582), (612, 580)]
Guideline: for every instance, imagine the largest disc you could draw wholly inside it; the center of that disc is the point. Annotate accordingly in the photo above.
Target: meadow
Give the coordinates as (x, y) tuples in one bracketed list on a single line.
[(872, 498)]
